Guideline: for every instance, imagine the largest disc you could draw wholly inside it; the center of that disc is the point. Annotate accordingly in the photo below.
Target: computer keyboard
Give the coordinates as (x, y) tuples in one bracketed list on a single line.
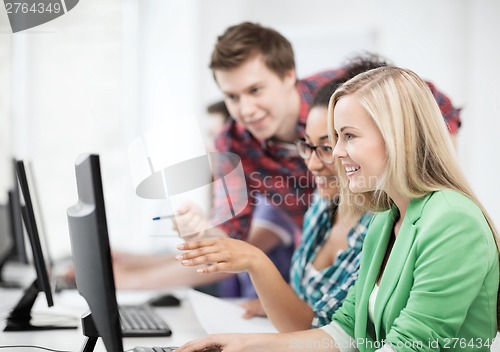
[(142, 321)]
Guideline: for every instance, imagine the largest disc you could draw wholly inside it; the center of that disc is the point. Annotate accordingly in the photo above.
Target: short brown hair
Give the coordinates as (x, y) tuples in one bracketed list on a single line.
[(219, 107), (243, 41)]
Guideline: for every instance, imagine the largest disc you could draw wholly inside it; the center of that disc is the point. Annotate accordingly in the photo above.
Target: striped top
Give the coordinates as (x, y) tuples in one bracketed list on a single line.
[(325, 290)]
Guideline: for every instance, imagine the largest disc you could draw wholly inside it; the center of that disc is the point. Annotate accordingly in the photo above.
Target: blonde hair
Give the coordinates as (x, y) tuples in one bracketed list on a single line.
[(420, 155)]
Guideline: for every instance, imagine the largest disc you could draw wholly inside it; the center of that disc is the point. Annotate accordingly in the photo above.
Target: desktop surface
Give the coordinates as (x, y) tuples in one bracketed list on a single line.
[(182, 320)]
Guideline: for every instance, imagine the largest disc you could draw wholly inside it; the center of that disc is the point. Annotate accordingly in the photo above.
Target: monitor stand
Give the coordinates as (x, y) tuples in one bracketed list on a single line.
[(90, 331), (19, 318)]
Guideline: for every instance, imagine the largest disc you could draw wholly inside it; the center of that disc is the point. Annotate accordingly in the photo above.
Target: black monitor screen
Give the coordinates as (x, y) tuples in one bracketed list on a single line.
[(32, 230), (6, 240), (91, 252), (16, 221)]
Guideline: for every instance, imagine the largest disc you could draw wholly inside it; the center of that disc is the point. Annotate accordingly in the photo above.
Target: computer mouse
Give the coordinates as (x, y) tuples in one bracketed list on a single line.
[(166, 300)]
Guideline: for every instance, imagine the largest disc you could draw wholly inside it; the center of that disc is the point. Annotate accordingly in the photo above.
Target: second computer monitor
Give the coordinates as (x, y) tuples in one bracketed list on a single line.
[(19, 253), (19, 318), (6, 239)]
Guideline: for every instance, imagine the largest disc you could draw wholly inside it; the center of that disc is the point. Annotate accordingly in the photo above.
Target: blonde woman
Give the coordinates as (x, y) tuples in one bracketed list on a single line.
[(429, 271)]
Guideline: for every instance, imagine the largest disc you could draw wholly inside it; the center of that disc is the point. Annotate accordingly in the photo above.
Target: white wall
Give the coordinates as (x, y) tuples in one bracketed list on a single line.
[(5, 106), (480, 137), (92, 80)]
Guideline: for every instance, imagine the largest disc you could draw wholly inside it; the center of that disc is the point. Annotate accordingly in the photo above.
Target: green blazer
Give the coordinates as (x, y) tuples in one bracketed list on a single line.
[(440, 284)]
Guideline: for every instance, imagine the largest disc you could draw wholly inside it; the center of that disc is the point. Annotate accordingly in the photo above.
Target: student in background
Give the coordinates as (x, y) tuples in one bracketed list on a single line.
[(217, 117), (254, 68), (429, 271)]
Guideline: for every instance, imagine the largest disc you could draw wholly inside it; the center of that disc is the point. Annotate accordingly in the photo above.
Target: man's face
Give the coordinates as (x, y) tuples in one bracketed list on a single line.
[(258, 98)]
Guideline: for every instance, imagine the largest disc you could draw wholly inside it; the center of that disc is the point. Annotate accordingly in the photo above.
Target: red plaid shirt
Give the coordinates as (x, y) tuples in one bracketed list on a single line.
[(450, 113), (275, 170)]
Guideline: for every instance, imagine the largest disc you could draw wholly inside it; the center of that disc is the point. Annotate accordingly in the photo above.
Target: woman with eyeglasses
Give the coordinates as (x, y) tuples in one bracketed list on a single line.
[(326, 262)]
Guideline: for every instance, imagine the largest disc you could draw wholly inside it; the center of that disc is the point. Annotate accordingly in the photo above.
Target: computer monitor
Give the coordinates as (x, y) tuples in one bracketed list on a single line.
[(6, 239), (19, 318), (12, 237), (92, 257), (18, 253)]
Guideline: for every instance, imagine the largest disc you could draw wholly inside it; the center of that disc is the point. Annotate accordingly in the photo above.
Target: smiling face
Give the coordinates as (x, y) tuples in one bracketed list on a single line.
[(258, 98), (316, 133), (360, 145)]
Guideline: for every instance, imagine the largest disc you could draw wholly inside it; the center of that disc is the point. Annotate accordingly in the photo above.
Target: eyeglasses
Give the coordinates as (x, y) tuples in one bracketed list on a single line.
[(324, 152)]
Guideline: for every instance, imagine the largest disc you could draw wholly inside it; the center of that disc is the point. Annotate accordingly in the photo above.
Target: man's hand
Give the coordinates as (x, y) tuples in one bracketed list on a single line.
[(253, 309), (191, 222)]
